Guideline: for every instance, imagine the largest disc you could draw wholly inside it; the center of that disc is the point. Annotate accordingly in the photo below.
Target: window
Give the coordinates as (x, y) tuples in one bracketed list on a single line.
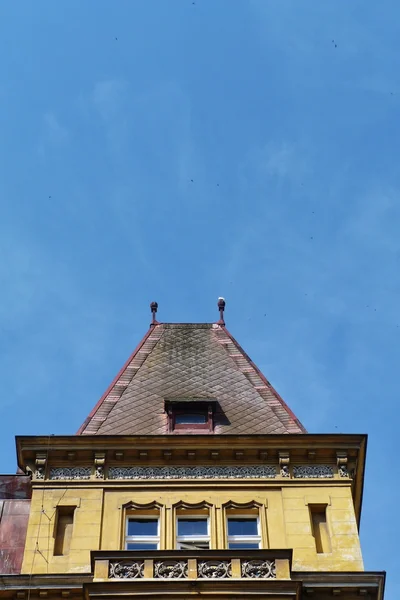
[(319, 528), (243, 532), (63, 530), (142, 533), (187, 418), (193, 533), (188, 414)]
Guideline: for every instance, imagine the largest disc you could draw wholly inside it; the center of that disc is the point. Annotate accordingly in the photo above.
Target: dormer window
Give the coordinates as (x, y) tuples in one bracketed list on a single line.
[(190, 415), (190, 418)]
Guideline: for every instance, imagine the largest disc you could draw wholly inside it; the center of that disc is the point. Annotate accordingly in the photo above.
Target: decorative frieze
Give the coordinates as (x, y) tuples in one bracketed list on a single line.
[(131, 569), (171, 569), (70, 473), (313, 471), (167, 472), (217, 472), (214, 569), (259, 569)]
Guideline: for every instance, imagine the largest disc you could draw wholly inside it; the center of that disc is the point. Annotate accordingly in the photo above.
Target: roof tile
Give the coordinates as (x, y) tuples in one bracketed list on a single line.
[(190, 361)]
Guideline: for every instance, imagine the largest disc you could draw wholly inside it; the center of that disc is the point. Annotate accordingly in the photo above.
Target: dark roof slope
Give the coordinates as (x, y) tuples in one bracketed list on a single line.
[(190, 361)]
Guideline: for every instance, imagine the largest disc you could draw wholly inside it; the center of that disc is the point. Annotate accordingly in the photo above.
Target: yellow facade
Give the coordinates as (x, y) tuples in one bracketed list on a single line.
[(283, 511)]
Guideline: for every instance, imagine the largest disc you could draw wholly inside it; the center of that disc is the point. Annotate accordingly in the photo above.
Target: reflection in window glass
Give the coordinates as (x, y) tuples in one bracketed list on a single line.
[(142, 534), (192, 527), (243, 546), (141, 546), (142, 527), (242, 527), (243, 532), (192, 533), (190, 419)]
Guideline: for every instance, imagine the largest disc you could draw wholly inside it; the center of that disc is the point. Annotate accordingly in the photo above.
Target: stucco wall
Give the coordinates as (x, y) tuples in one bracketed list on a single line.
[(283, 510)]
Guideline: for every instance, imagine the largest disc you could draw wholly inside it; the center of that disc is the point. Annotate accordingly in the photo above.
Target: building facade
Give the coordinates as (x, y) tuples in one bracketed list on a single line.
[(191, 476)]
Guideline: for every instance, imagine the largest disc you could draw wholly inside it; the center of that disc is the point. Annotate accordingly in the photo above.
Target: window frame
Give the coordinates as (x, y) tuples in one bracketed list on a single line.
[(180, 408), (238, 539), (145, 539), (179, 539)]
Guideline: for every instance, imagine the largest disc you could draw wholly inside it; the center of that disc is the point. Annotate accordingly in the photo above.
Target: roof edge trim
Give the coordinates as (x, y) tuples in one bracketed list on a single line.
[(265, 380), (114, 381)]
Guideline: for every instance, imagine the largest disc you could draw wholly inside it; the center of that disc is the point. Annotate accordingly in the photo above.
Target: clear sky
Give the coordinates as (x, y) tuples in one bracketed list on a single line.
[(176, 151)]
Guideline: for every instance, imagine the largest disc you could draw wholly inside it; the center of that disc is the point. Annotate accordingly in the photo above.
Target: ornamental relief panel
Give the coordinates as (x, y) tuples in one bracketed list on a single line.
[(171, 569), (259, 569), (214, 569), (313, 471), (126, 569), (70, 473), (217, 472)]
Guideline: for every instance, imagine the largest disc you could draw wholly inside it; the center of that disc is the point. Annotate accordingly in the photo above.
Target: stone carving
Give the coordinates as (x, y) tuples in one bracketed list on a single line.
[(342, 464), (314, 471), (285, 471), (39, 473), (99, 472), (260, 569), (171, 569), (40, 464), (126, 570), (99, 461), (284, 460), (70, 473), (217, 472), (215, 569)]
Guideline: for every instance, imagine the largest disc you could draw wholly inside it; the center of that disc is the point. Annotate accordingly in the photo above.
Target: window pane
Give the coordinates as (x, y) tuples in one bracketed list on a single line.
[(242, 527), (190, 418), (142, 527), (192, 527), (243, 546), (195, 545), (141, 546)]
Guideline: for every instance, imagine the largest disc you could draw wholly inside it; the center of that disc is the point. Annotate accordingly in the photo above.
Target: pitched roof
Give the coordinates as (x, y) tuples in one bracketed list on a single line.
[(190, 361)]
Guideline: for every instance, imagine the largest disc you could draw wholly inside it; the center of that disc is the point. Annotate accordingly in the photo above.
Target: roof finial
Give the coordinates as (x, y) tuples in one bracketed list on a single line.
[(221, 307), (153, 308)]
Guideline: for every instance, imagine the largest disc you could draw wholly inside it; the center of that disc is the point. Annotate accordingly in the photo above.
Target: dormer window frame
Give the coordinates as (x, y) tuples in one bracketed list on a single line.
[(179, 408)]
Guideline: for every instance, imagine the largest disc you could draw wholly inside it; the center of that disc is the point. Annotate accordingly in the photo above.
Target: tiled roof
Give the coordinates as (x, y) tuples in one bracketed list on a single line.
[(190, 361)]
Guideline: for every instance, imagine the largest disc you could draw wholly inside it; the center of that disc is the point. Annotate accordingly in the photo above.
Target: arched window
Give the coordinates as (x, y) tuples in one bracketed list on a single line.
[(192, 526), (142, 526)]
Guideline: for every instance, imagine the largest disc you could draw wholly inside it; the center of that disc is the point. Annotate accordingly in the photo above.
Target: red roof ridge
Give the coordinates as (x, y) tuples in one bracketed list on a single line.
[(264, 379), (91, 416)]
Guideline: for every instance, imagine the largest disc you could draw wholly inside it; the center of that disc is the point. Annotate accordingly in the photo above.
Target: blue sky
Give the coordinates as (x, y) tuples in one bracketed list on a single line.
[(286, 117)]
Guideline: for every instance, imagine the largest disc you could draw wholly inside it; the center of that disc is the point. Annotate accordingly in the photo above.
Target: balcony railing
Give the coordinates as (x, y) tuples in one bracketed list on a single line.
[(184, 564)]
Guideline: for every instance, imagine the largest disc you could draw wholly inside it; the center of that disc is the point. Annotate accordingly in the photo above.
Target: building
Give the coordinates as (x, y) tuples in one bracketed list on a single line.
[(191, 476)]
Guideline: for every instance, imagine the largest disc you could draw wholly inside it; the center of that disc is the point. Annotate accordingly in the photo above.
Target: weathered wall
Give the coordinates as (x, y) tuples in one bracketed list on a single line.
[(283, 510), (15, 491)]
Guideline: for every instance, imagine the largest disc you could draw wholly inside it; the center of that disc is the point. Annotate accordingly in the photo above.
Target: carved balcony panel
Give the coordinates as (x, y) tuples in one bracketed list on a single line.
[(214, 569), (259, 569), (171, 569), (126, 569), (205, 565)]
